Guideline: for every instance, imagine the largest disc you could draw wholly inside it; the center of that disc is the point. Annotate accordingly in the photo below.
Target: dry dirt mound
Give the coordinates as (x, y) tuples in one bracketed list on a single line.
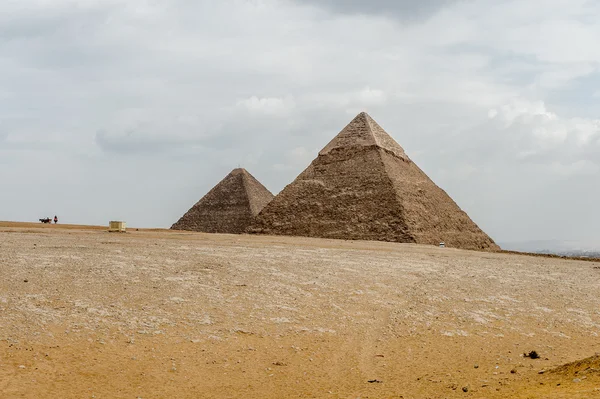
[(585, 367), (577, 380)]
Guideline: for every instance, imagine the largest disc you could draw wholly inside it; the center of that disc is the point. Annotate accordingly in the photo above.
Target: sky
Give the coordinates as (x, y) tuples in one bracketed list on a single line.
[(133, 109)]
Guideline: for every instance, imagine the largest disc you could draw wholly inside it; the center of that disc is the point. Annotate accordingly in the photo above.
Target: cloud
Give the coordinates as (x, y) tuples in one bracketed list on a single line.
[(525, 136), (268, 106), (136, 130), (352, 101), (545, 133), (369, 96), (581, 167), (297, 159), (135, 141), (404, 9)]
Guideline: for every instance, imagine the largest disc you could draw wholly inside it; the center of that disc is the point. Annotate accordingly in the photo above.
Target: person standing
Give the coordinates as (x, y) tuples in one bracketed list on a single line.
[(55, 219)]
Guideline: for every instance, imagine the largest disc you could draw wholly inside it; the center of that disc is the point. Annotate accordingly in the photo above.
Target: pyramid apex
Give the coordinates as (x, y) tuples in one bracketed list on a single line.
[(238, 171), (363, 131)]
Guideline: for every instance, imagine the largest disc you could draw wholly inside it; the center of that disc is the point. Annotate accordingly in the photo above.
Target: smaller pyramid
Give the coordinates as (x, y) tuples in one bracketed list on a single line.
[(230, 207)]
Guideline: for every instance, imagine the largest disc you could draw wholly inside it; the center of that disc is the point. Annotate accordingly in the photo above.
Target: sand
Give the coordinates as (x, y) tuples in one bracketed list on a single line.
[(160, 314)]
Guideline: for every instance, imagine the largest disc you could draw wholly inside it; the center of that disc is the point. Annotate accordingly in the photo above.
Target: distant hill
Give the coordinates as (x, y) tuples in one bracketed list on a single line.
[(555, 247)]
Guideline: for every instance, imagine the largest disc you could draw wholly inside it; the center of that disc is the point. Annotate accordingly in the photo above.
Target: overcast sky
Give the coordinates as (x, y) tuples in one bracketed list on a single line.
[(134, 109)]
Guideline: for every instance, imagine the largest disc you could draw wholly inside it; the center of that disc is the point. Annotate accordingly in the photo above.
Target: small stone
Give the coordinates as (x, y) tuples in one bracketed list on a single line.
[(513, 371), (476, 366), (21, 367), (532, 355), (465, 389), (25, 281), (577, 380)]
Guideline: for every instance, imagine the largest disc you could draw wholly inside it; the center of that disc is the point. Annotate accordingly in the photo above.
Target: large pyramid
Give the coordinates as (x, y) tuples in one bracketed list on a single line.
[(229, 207), (362, 186)]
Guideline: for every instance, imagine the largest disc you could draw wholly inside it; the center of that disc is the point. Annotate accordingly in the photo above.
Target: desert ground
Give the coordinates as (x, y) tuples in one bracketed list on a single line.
[(160, 314)]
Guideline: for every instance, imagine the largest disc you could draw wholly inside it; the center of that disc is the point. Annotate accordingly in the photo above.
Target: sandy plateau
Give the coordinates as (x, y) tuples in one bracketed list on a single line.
[(157, 314)]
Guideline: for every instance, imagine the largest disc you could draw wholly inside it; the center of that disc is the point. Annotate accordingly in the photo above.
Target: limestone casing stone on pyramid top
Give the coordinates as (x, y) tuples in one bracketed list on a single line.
[(362, 186), (364, 131), (229, 207)]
